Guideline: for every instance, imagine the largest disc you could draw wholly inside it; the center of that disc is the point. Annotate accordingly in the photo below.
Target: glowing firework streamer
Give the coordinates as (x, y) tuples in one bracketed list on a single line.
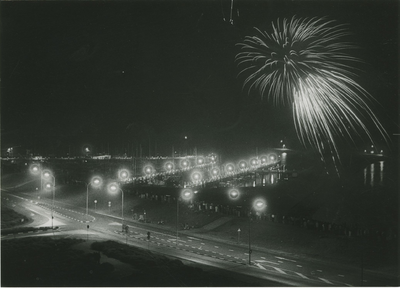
[(304, 62)]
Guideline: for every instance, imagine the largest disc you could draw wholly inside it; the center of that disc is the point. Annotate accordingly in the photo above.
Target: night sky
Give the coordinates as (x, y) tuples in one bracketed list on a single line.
[(115, 74)]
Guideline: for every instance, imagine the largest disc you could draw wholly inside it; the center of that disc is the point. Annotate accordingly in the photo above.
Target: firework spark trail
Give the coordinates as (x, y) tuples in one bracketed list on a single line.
[(303, 61)]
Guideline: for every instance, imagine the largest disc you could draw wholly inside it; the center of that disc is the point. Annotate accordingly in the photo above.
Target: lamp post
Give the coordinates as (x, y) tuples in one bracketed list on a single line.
[(95, 202), (114, 188), (234, 195), (96, 182), (47, 175), (258, 205), (186, 194)]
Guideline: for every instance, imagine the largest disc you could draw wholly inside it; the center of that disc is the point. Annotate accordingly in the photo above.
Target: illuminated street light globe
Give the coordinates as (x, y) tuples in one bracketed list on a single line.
[(113, 187), (96, 181), (169, 166), (264, 159), (48, 186), (184, 163), (253, 162), (242, 165), (272, 157), (259, 204), (187, 194), (148, 169), (215, 172), (35, 169), (200, 160), (123, 174), (229, 168), (196, 176), (234, 194), (47, 174)]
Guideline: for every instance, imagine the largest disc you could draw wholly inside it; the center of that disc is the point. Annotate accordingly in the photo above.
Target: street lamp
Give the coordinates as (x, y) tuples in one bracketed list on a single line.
[(123, 174), (148, 170), (263, 159), (95, 182), (169, 166), (35, 169), (215, 172), (47, 176), (196, 177), (114, 188), (242, 165), (229, 168), (258, 205), (186, 195), (95, 203), (200, 160), (254, 162), (234, 194), (184, 164)]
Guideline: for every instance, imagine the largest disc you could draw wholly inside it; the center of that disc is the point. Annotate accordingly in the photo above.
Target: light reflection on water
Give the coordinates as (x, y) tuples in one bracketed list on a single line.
[(371, 174)]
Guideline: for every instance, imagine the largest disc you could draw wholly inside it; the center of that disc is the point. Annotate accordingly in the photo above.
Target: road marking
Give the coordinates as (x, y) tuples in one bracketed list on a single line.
[(230, 250), (246, 253), (348, 285), (280, 261), (220, 254), (260, 266), (236, 257), (229, 255), (262, 257), (340, 275), (299, 266), (193, 238), (216, 246), (301, 275), (281, 258), (326, 281), (319, 270), (202, 244), (279, 270), (190, 240)]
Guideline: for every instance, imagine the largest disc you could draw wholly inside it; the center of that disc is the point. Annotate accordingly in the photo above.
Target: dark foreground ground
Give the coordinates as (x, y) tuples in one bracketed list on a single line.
[(47, 262)]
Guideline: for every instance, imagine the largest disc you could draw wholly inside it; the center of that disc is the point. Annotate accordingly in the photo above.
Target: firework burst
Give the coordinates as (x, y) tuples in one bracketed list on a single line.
[(304, 62)]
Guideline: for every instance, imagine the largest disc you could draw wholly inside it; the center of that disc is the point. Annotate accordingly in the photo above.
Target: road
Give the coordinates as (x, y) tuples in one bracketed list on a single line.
[(197, 248)]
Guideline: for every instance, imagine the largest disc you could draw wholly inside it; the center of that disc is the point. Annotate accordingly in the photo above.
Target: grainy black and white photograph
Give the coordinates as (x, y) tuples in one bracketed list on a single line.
[(209, 143)]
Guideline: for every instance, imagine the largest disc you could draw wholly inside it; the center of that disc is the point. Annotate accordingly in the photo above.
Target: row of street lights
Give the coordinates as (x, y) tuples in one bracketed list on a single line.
[(96, 182), (258, 205), (49, 180)]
